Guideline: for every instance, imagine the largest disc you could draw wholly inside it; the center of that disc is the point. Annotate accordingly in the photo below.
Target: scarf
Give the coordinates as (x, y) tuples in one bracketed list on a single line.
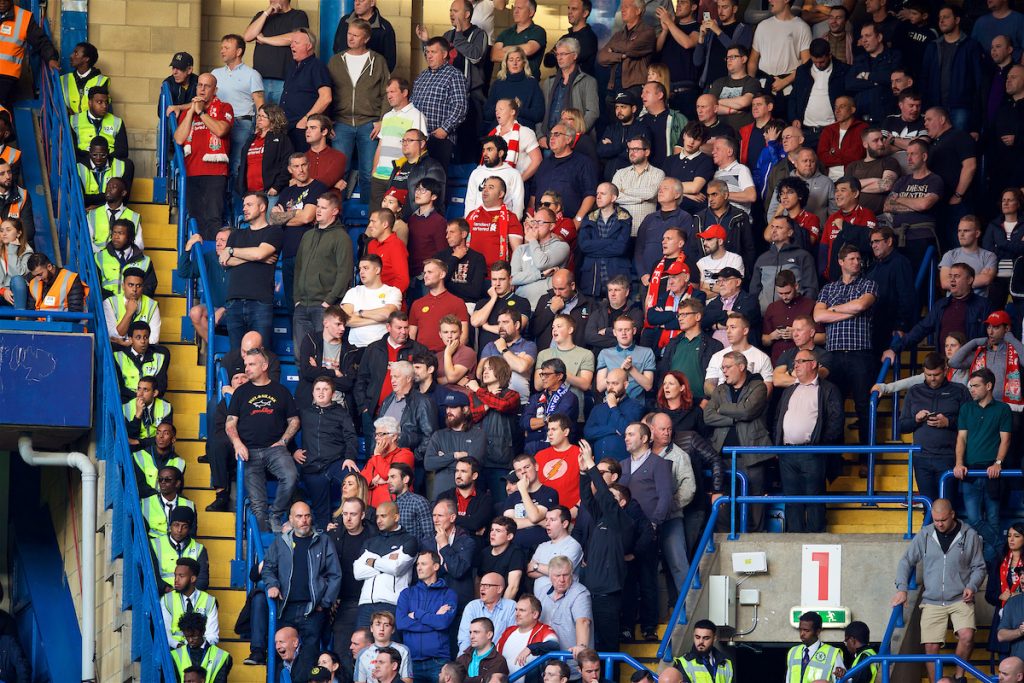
[(501, 222), (512, 158), (652, 289), (550, 403), (1011, 381), (1005, 570)]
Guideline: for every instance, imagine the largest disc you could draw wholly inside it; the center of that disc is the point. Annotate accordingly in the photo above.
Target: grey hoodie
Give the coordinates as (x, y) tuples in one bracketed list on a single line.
[(945, 575), (787, 257)]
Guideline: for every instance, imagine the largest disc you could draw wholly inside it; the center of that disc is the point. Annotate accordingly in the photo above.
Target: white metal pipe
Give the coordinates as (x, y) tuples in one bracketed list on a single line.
[(85, 465)]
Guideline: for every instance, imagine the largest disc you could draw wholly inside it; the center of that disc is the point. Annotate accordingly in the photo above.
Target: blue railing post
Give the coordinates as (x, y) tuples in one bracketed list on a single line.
[(238, 565), (271, 651)]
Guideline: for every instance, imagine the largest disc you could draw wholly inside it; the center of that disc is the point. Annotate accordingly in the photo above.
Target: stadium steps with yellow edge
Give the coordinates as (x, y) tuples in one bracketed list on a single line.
[(643, 652), (187, 394)]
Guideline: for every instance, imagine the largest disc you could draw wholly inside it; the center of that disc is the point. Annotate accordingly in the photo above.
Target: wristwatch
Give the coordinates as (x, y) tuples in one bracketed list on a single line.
[(231, 251)]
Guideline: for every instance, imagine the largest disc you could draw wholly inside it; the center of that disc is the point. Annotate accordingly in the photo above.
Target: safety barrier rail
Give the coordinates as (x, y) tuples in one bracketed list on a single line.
[(706, 544), (608, 658), (256, 552), (885, 660), (736, 451), (238, 564), (975, 474), (896, 618), (873, 412), (129, 539)]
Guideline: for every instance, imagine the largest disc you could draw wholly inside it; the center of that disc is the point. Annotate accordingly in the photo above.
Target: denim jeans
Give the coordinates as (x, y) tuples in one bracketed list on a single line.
[(305, 320), (278, 461), (982, 512), (272, 90), (803, 474), (348, 138), (672, 537), (310, 629), (245, 315), (928, 469), (288, 280), (259, 615), (19, 288), (241, 130), (318, 486), (426, 670)]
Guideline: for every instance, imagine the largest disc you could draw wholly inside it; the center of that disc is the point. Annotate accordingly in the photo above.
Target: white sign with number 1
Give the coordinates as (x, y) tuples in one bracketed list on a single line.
[(820, 575)]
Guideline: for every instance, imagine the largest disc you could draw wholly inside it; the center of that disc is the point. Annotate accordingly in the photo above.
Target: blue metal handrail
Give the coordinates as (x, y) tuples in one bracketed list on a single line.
[(873, 413), (49, 316), (896, 618), (938, 660), (257, 552), (211, 318), (129, 539), (975, 474), (162, 132), (609, 659), (706, 544), (736, 451), (238, 564)]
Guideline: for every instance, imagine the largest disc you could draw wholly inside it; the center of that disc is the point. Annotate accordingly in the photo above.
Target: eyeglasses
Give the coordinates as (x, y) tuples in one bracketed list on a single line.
[(547, 205), (383, 434), (409, 141), (635, 149), (681, 314), (556, 134), (490, 585), (545, 373), (878, 241), (800, 361), (564, 54)]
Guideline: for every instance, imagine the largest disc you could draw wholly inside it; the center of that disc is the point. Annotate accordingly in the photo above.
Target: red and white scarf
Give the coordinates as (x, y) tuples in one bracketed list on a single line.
[(1011, 380), (652, 289), (512, 158)]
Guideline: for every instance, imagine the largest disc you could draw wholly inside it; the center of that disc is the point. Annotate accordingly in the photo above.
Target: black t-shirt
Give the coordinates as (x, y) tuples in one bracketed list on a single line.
[(276, 62), (295, 197), (298, 590), (512, 302), (253, 280), (531, 537), (728, 87), (716, 60), (509, 561), (678, 58), (947, 157), (262, 413)]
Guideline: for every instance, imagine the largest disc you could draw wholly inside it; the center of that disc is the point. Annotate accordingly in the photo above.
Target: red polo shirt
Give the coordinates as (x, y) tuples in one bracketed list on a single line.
[(426, 313)]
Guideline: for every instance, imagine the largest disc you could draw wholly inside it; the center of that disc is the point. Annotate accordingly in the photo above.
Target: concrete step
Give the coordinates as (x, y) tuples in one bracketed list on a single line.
[(164, 261), (190, 449), (142, 189), (850, 484), (220, 552), (239, 672), (186, 403), (211, 524), (171, 307), (229, 604), (152, 214), (183, 376), (159, 236)]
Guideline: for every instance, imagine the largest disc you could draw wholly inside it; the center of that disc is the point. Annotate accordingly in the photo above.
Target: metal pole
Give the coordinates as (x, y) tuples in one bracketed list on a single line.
[(732, 500)]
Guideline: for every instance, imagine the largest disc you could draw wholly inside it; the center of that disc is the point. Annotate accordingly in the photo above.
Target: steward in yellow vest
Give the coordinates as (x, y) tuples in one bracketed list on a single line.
[(83, 77), (704, 663), (97, 121), (857, 639), (159, 453), (102, 217), (139, 360), (121, 253), (178, 543), (196, 652), (187, 598), (121, 310), (813, 660), (146, 412), (157, 509)]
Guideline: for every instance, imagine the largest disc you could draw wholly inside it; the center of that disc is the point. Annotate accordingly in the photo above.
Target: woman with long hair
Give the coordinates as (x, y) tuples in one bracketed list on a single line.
[(1005, 579), (501, 420), (14, 273), (332, 662), (515, 80), (675, 399), (264, 166), (354, 486), (1005, 237), (584, 143)]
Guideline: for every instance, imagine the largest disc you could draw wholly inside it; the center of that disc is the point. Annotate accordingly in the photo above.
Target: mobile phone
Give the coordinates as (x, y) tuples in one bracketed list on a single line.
[(780, 327), (707, 16)]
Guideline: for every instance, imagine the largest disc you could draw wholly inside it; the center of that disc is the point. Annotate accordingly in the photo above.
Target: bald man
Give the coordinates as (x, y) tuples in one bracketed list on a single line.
[(234, 360), (1011, 670), (491, 604), (671, 675), (563, 298), (954, 569)]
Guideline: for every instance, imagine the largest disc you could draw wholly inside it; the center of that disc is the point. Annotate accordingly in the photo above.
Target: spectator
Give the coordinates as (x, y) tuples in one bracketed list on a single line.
[(781, 44), (198, 652), (203, 130), (573, 176), (187, 598), (307, 87), (416, 413), (271, 58), (810, 413), (693, 167), (1009, 633), (736, 90), (1005, 236), (480, 656), (566, 606), (559, 543), (569, 88), (840, 143), (731, 299), (951, 71), (912, 201), (493, 163), (177, 543), (523, 33), (782, 255), (440, 93), (736, 176), (851, 224), (241, 87), (386, 452), (738, 236), (515, 98), (250, 259), (394, 124), (369, 306), (542, 255), (349, 532), (368, 663), (264, 163), (360, 77), (563, 300), (413, 508), (636, 183), (324, 256), (613, 146), (628, 51), (896, 305), (494, 228), (982, 261), (557, 463), (792, 195), (467, 270), (326, 164), (792, 144), (717, 36), (385, 243), (330, 447), (304, 591), (262, 419), (389, 557), (598, 333), (473, 504), (424, 613), (952, 576), (637, 361), (459, 439), (286, 644), (373, 382), (752, 135), (903, 128), (672, 536), (876, 171), (503, 557), (1002, 147), (414, 165), (429, 310), (817, 660), (608, 420), (821, 200), (704, 658), (804, 336), (661, 125), (870, 76), (736, 412), (181, 84), (998, 352), (528, 504), (456, 548), (555, 397), (653, 251), (845, 309), (779, 334), (528, 638)]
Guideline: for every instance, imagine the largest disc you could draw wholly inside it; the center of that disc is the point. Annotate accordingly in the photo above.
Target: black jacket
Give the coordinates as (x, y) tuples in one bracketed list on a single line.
[(613, 153), (372, 369), (978, 308), (406, 176), (803, 82), (946, 400), (608, 537), (382, 38), (703, 457), (312, 348), (540, 324), (709, 346), (601, 318), (348, 548), (276, 149), (327, 436), (829, 427), (419, 421), (479, 512), (739, 237), (457, 564), (896, 307), (746, 303)]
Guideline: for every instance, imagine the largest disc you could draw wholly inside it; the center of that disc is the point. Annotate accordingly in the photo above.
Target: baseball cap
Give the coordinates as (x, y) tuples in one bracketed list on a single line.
[(998, 318), (319, 673), (400, 195), (626, 97), (454, 399), (678, 267), (511, 477), (729, 272), (182, 60), (713, 232)]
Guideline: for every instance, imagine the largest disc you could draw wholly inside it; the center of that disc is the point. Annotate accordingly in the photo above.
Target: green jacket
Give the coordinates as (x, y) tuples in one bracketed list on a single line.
[(323, 266), (365, 102)]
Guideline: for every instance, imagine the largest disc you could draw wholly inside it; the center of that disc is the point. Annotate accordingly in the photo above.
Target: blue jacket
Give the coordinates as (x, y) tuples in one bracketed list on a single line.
[(978, 308), (647, 248), (537, 439), (604, 257), (803, 83), (651, 486), (965, 77), (530, 97), (324, 570), (606, 426), (896, 307), (873, 94), (457, 563), (425, 633), (574, 177)]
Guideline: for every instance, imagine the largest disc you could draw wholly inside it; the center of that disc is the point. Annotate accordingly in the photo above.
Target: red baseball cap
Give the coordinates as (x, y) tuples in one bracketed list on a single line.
[(678, 267), (713, 232), (400, 195), (998, 318)]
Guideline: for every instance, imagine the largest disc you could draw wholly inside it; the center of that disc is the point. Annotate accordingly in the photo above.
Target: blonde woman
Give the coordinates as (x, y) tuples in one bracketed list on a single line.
[(516, 81)]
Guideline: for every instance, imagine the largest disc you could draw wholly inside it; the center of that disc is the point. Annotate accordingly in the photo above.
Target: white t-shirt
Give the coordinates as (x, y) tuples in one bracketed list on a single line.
[(758, 363), (779, 43), (819, 106), (363, 298), (710, 267), (527, 143), (355, 64), (515, 643), (737, 177)]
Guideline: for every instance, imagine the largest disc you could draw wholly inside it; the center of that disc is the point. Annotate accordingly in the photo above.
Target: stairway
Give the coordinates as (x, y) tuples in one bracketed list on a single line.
[(187, 394)]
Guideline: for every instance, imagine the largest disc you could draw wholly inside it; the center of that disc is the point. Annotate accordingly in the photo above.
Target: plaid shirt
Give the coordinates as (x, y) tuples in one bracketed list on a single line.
[(441, 97), (414, 515), (853, 334)]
